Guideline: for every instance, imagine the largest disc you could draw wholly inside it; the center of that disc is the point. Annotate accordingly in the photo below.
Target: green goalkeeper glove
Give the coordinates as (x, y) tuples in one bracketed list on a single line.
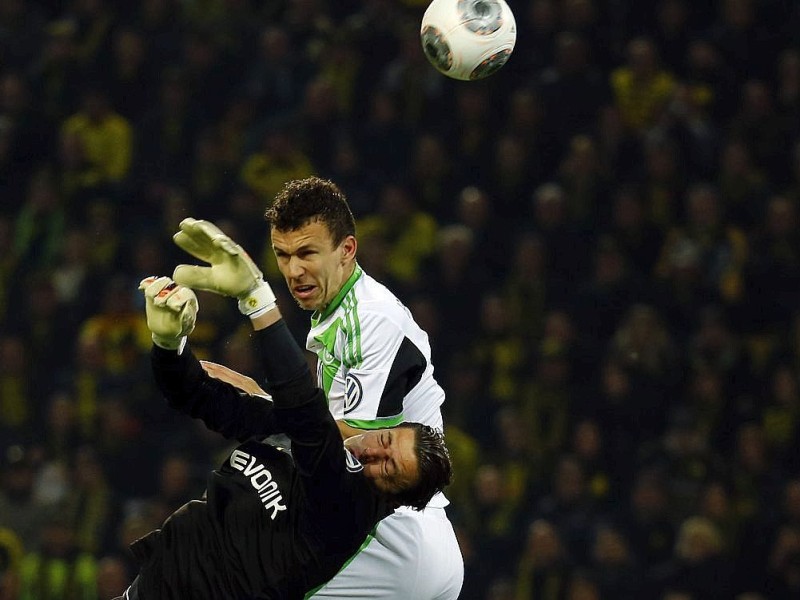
[(232, 271), (171, 311)]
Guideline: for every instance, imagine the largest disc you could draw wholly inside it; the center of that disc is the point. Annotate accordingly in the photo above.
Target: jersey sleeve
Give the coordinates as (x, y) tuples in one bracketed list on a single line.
[(341, 506), (379, 367), (221, 406)]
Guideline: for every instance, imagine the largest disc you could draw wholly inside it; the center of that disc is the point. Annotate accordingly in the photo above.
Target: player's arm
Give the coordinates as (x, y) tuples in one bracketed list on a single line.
[(248, 385), (340, 500), (300, 406), (171, 313), (222, 407)]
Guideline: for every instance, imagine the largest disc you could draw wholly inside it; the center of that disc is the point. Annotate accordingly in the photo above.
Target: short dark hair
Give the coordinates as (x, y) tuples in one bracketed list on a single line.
[(302, 201), (435, 468)]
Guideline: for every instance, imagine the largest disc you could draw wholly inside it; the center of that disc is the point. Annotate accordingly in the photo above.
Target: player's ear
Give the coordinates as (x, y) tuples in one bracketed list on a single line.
[(348, 248)]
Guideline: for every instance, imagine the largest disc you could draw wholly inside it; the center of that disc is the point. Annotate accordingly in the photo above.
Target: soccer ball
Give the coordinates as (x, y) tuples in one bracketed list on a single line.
[(468, 39)]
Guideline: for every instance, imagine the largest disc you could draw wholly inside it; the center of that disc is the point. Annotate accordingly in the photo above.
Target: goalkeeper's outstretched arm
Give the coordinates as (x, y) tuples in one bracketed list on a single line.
[(171, 314)]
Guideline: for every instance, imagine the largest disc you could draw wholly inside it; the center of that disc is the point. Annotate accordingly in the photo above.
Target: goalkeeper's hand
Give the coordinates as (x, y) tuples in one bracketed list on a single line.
[(231, 272), (242, 382), (171, 311)]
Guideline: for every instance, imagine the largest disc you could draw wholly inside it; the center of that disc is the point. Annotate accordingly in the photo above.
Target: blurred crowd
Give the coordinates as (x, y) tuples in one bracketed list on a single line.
[(601, 240)]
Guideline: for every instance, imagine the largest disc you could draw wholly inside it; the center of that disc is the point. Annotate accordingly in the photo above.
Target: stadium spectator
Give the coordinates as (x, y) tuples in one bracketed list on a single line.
[(628, 154)]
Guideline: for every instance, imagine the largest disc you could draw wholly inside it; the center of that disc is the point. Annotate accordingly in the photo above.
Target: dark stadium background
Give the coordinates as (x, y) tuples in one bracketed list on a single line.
[(601, 240)]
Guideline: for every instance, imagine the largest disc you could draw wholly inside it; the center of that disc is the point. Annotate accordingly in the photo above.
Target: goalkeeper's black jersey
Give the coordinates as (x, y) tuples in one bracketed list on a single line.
[(272, 525)]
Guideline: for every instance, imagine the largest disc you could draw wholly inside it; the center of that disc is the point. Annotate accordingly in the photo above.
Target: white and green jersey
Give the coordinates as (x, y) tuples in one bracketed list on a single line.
[(374, 361)]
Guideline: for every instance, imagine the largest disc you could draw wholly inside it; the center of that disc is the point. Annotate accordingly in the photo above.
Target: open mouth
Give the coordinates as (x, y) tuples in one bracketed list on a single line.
[(304, 291)]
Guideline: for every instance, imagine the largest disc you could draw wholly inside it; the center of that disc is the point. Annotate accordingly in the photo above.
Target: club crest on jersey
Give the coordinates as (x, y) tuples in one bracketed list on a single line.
[(352, 393), (352, 463)]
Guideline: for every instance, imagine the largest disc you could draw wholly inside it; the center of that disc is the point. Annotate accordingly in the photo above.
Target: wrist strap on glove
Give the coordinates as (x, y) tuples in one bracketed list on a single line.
[(257, 301)]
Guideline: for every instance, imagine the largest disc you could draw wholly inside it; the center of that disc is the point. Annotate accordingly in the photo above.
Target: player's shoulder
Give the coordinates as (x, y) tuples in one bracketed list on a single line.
[(375, 301)]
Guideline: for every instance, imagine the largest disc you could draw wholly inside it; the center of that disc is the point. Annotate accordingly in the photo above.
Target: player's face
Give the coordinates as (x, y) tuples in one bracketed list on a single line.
[(314, 268), (388, 457)]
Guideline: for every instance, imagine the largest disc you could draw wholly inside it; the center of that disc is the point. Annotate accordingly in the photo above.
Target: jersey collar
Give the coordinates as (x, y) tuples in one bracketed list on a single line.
[(318, 317)]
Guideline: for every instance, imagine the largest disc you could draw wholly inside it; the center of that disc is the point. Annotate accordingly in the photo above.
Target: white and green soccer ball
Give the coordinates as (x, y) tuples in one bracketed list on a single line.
[(468, 39)]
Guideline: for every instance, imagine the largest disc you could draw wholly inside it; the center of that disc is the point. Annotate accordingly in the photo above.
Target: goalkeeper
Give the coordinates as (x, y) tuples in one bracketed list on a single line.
[(271, 525)]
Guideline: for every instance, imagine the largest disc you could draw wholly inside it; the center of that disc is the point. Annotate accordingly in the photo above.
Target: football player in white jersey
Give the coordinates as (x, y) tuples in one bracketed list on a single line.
[(374, 366)]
